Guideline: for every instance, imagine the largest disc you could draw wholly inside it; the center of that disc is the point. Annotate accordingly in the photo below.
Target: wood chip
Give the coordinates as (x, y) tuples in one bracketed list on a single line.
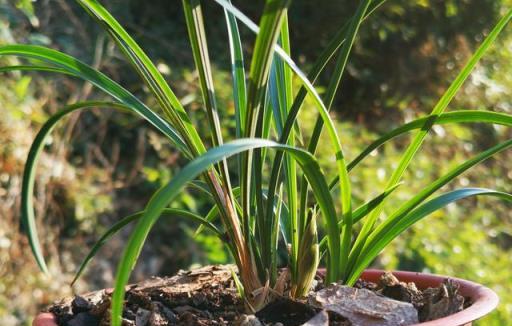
[(363, 307)]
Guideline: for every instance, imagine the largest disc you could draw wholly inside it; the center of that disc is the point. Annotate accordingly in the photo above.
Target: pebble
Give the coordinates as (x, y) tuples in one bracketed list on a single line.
[(80, 304), (142, 317), (248, 320)]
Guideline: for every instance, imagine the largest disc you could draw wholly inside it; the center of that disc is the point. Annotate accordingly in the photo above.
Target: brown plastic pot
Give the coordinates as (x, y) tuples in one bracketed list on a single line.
[(483, 299)]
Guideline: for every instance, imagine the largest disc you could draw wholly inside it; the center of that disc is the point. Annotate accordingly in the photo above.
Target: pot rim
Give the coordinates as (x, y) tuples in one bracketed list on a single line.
[(484, 300)]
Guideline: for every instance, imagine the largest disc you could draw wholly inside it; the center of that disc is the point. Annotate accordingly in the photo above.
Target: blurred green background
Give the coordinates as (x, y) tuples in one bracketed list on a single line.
[(101, 165)]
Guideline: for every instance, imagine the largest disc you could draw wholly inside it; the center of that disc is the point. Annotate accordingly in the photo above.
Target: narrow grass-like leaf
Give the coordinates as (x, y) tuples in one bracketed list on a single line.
[(270, 25), (281, 97), (381, 240), (34, 68), (238, 76), (333, 272), (237, 72), (149, 73), (197, 37), (448, 96), (166, 194), (408, 206), (319, 65), (119, 225), (360, 212), (81, 70), (27, 188), (332, 89), (170, 105), (456, 117)]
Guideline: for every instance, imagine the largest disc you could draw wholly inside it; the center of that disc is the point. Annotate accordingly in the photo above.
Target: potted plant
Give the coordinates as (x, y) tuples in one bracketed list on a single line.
[(255, 211)]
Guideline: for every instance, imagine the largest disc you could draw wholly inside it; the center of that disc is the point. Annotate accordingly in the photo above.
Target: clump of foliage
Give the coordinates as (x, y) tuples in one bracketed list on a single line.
[(256, 210)]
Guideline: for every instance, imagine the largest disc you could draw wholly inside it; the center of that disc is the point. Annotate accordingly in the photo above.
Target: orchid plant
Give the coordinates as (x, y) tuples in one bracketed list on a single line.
[(252, 212)]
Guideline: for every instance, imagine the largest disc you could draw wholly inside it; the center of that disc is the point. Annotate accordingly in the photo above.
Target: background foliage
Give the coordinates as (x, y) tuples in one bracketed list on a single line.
[(404, 58)]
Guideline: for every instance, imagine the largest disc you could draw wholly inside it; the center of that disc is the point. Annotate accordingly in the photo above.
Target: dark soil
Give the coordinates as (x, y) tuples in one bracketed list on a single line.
[(208, 296)]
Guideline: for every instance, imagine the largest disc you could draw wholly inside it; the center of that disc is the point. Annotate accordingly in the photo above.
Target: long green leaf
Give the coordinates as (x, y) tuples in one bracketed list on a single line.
[(420, 135), (27, 188), (360, 212), (34, 68), (270, 25), (280, 95), (238, 76), (456, 117), (307, 86), (319, 65), (331, 93), (197, 36), (81, 70), (166, 194), (167, 213), (396, 217), (170, 104), (380, 241)]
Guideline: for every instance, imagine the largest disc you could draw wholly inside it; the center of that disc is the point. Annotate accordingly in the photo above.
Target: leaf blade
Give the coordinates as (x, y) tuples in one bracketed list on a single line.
[(409, 205), (381, 241)]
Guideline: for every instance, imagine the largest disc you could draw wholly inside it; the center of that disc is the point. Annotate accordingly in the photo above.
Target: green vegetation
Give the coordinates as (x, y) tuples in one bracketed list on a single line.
[(259, 212)]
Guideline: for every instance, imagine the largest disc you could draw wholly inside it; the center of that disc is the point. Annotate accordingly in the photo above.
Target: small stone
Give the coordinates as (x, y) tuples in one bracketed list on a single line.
[(314, 284), (129, 314), (142, 317), (80, 304), (248, 320)]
